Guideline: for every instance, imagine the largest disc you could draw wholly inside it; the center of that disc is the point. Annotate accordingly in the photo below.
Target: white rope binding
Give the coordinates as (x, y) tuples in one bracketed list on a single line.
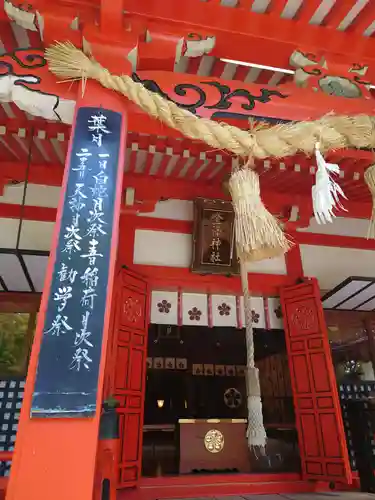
[(326, 192), (256, 434)]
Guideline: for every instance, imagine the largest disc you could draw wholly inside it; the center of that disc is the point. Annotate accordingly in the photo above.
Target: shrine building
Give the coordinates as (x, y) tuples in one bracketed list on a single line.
[(187, 279)]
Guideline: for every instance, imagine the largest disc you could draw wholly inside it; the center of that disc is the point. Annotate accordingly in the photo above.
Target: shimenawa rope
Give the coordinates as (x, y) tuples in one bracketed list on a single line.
[(333, 132)]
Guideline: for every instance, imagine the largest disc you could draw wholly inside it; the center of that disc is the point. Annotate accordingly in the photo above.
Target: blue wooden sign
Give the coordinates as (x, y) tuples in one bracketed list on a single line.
[(67, 375)]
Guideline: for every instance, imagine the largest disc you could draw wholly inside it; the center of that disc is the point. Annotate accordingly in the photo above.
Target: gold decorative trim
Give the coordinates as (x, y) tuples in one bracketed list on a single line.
[(214, 441), (212, 421)]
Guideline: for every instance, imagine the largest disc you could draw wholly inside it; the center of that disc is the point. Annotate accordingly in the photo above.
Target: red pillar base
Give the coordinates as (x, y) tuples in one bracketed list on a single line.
[(106, 470), (55, 458)]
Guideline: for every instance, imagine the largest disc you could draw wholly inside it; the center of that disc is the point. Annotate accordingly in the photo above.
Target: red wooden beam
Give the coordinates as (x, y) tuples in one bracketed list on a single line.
[(44, 174), (333, 240), (22, 302), (6, 456), (293, 261), (257, 38), (307, 10), (50, 174), (147, 193), (45, 214), (13, 125), (338, 13), (111, 16), (364, 19), (41, 214), (176, 278), (276, 7), (298, 237)]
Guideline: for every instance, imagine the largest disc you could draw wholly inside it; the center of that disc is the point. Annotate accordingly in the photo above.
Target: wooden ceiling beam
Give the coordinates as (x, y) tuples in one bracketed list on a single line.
[(50, 174), (111, 17), (43, 174), (276, 7), (257, 38), (274, 202), (173, 188), (307, 10), (364, 19), (338, 13)]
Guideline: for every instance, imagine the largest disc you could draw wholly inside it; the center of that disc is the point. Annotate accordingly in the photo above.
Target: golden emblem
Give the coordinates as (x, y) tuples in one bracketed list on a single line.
[(214, 441)]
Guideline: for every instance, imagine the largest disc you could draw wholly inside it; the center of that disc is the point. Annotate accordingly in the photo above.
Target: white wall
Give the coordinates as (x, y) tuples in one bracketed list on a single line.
[(36, 195), (340, 226), (172, 210), (159, 248), (35, 235), (331, 265)]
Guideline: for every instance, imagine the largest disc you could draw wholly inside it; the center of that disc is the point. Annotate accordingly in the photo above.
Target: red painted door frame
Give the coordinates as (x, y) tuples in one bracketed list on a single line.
[(182, 279), (126, 369), (322, 442)]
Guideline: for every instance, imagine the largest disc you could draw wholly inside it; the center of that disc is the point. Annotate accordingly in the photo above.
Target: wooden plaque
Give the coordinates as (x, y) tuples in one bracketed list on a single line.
[(214, 249), (67, 377)]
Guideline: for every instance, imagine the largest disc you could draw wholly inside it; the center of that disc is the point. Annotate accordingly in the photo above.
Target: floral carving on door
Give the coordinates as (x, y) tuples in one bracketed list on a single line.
[(303, 318), (132, 309)]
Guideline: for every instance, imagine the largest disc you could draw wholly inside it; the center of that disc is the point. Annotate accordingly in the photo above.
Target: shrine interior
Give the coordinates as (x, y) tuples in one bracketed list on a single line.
[(197, 373)]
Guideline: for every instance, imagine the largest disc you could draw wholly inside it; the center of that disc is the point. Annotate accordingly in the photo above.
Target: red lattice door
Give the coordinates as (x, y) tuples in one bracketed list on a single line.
[(129, 351), (321, 436)]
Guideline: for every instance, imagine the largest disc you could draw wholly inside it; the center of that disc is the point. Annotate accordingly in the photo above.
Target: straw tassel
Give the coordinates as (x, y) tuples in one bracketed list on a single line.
[(326, 192), (258, 234), (370, 181)]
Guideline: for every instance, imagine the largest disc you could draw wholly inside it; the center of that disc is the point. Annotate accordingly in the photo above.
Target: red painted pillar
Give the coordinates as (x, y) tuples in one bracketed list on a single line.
[(293, 261), (54, 458)]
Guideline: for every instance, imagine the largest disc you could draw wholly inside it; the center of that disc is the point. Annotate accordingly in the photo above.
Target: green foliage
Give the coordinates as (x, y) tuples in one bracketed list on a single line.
[(111, 402), (13, 342)]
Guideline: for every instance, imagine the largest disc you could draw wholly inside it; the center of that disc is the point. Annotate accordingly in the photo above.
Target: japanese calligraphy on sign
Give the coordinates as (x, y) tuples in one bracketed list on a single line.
[(67, 376), (213, 243)]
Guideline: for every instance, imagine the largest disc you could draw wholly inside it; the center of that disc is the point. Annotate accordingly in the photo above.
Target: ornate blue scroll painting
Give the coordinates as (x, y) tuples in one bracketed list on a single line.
[(67, 376)]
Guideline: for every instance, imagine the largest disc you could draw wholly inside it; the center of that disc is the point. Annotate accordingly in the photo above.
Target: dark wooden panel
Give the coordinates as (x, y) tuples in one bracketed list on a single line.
[(213, 237), (70, 354)]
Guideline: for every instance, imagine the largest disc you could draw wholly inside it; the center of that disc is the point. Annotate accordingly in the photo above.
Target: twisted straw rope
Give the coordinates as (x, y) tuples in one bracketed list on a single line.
[(250, 360), (333, 132), (370, 181)]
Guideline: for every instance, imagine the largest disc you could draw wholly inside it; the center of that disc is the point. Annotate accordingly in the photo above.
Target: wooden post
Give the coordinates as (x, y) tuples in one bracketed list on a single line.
[(319, 424), (370, 339), (57, 437), (293, 262)]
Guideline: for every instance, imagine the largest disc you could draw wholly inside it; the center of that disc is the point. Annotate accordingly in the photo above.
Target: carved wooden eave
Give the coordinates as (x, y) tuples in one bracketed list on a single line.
[(201, 84), (27, 85), (187, 66), (269, 31)]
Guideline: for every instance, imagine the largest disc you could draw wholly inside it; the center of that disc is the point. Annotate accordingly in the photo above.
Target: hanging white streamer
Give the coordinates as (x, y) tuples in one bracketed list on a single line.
[(325, 192)]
